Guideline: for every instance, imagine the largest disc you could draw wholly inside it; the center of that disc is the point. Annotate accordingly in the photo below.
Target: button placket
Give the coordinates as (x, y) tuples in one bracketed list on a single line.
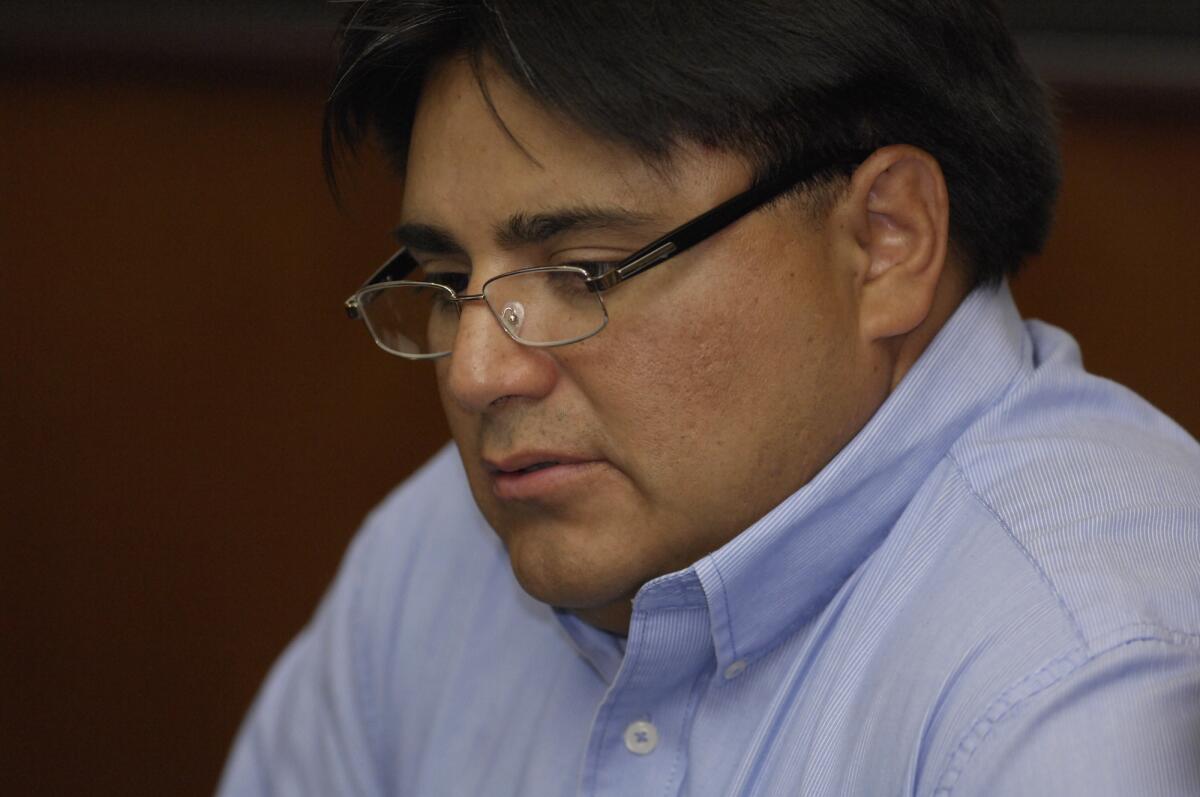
[(648, 707)]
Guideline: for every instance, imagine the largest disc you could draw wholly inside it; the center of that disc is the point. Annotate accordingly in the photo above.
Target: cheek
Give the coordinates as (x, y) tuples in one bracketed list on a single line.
[(726, 379), (671, 388), (458, 421), (464, 429)]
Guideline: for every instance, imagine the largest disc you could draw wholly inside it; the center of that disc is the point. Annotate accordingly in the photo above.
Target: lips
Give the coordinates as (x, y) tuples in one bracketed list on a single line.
[(537, 467), (531, 462), (539, 475)]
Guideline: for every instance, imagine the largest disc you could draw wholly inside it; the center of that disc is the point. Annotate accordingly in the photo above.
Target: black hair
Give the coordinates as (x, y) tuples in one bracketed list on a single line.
[(775, 81)]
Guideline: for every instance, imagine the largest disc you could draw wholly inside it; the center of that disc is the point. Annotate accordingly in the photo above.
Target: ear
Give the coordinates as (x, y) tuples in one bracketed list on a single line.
[(900, 217)]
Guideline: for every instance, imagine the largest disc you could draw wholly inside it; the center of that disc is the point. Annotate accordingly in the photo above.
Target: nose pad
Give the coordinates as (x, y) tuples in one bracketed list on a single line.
[(513, 317)]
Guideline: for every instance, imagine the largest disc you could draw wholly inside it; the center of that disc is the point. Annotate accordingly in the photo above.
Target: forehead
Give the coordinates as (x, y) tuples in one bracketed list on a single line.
[(515, 153)]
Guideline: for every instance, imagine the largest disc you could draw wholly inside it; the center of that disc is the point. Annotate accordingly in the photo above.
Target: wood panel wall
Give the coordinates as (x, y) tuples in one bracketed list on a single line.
[(191, 429)]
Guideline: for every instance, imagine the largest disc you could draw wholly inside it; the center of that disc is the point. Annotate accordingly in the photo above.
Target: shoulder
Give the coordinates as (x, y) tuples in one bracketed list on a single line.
[(1098, 489), (424, 550), (430, 518), (431, 574), (422, 576), (437, 493), (1117, 721), (1087, 498)]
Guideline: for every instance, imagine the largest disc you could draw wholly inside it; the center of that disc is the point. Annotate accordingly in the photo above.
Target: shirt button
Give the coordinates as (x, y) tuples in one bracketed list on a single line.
[(735, 669), (641, 737)]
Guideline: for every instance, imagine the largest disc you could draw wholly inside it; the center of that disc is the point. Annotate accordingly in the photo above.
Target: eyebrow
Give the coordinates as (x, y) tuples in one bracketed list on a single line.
[(428, 238), (522, 229)]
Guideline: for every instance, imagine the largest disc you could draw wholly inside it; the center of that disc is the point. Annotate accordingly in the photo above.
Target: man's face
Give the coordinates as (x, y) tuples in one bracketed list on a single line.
[(724, 380)]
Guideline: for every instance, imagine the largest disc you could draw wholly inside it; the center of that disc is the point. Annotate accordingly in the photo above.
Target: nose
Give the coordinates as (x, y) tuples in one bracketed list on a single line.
[(486, 365)]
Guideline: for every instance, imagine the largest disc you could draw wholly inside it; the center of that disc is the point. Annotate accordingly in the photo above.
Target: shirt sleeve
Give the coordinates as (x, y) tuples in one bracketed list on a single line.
[(1125, 722), (309, 731)]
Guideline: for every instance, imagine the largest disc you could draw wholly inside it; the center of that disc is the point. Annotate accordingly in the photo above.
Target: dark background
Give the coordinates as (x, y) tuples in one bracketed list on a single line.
[(191, 430)]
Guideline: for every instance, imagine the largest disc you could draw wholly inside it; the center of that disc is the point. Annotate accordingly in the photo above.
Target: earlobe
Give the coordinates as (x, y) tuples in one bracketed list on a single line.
[(900, 198)]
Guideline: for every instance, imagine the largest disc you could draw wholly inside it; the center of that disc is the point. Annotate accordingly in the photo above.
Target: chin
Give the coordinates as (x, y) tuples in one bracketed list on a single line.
[(571, 568)]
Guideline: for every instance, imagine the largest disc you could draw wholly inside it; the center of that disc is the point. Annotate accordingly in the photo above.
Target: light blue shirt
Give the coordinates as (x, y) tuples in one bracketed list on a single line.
[(993, 589)]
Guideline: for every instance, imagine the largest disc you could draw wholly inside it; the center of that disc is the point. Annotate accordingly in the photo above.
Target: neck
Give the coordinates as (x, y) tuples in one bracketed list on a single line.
[(613, 618), (907, 349)]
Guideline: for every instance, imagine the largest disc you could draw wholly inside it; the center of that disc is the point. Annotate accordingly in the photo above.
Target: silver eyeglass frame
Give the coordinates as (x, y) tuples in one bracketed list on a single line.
[(678, 240), (353, 304)]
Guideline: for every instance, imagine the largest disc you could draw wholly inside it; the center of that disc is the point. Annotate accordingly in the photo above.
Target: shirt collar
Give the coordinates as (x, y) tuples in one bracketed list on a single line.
[(602, 650), (781, 571)]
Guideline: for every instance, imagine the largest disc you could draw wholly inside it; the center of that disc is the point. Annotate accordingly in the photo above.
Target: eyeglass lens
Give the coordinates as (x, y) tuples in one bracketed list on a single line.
[(541, 307)]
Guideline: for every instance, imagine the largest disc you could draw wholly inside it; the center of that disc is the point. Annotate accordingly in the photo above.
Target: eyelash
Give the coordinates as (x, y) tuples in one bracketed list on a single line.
[(457, 280), (454, 280), (594, 268)]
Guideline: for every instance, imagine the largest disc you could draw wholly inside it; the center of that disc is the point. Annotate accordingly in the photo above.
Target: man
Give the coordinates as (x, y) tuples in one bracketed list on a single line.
[(804, 508)]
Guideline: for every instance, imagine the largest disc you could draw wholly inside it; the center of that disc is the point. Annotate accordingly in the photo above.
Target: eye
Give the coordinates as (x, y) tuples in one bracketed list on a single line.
[(454, 279), (594, 268), (403, 266)]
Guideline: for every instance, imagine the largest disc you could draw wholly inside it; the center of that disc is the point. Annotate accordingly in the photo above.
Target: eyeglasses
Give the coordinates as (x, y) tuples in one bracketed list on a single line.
[(539, 306)]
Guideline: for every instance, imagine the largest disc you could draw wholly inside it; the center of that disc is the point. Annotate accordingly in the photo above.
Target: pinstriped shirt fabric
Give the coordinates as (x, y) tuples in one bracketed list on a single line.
[(994, 589)]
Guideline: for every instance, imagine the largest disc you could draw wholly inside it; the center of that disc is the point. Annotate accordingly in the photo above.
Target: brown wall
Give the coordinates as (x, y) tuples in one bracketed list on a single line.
[(1122, 270), (192, 430)]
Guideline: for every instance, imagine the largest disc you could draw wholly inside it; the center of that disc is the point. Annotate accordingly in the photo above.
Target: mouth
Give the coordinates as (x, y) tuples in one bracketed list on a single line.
[(534, 468), (538, 476)]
